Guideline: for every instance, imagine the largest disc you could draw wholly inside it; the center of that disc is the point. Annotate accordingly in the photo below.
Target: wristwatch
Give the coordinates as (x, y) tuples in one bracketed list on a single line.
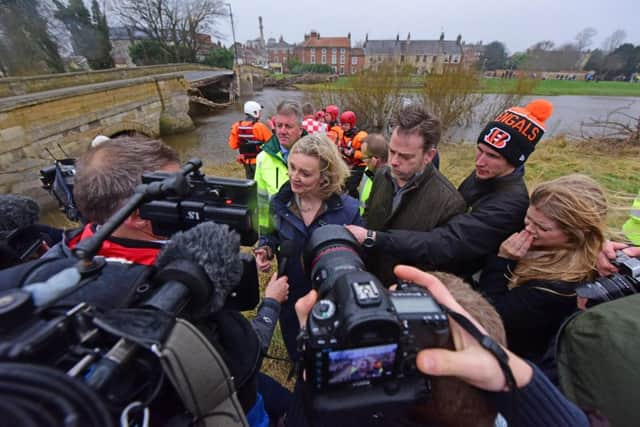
[(370, 240)]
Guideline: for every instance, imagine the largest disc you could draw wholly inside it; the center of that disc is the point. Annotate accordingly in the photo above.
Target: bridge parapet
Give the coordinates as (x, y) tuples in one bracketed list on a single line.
[(72, 117), (16, 86)]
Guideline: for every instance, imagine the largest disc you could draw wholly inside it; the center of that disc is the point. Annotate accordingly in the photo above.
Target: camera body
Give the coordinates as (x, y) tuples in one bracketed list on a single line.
[(362, 337), (618, 285), (58, 180), (223, 200)]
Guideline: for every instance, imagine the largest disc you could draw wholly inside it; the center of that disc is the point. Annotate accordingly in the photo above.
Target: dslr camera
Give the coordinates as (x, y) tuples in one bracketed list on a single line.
[(618, 285), (362, 340)]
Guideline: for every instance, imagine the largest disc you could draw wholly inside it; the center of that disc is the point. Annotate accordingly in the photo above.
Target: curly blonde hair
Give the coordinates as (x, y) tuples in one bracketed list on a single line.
[(578, 205), (333, 170)]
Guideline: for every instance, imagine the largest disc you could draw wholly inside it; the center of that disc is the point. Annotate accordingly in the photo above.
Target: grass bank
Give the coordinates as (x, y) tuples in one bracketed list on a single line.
[(500, 86), (566, 87)]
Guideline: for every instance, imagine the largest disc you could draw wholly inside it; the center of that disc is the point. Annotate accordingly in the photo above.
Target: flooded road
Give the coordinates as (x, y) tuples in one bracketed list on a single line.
[(209, 140)]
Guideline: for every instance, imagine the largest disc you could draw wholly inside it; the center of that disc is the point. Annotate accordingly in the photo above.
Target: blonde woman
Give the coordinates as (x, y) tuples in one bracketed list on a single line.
[(532, 280), (312, 198)]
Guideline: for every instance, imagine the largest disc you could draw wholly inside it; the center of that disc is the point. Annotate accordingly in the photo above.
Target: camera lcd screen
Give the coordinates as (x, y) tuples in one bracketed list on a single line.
[(414, 305), (365, 363)]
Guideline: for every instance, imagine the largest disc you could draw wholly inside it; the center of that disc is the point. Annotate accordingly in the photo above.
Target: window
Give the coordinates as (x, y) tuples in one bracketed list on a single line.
[(354, 60), (342, 59), (354, 70), (456, 59), (343, 50), (417, 58), (335, 69), (324, 50), (334, 59), (401, 58), (323, 59), (342, 69), (334, 50), (313, 59), (313, 51)]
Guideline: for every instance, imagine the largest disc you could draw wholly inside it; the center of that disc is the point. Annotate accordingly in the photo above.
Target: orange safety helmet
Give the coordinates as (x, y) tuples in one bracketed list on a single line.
[(348, 117), (333, 110)]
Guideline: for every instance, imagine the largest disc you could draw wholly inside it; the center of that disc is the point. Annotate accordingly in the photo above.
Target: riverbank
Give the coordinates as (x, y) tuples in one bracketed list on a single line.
[(501, 86)]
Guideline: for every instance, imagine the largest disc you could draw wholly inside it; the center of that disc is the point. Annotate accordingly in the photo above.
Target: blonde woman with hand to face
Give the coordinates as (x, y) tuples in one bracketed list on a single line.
[(531, 281)]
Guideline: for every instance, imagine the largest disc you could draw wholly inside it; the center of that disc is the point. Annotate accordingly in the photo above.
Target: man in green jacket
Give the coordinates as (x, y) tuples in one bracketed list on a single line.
[(409, 193), (375, 149), (271, 163)]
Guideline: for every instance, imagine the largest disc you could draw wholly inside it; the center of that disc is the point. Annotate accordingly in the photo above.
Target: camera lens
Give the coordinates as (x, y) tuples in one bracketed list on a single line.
[(331, 252)]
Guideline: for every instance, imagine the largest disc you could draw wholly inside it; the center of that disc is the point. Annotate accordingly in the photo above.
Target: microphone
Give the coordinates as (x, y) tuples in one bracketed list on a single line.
[(287, 250), (215, 248), (17, 212), (197, 267)]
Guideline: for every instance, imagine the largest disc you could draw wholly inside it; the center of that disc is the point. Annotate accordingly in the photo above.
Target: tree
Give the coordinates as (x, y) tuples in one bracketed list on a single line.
[(544, 45), (595, 61), (612, 42), (147, 52), (89, 34), (26, 47), (221, 57), (495, 56), (175, 25), (584, 38)]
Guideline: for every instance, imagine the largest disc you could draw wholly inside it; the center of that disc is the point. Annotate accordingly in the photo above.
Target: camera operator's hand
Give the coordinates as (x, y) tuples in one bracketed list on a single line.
[(359, 233), (277, 288), (304, 305), (263, 262), (608, 254), (470, 362), (516, 246)]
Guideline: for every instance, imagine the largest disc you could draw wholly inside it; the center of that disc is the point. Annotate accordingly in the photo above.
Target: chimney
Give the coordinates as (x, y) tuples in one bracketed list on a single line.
[(409, 36), (261, 32), (397, 38), (349, 36), (366, 37), (306, 37)]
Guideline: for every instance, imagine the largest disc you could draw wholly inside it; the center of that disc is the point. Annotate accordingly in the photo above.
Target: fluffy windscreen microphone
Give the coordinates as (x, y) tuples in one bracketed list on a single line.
[(17, 212), (213, 247), (287, 250)]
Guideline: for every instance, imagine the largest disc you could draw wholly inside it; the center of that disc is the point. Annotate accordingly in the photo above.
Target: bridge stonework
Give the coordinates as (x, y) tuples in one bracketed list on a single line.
[(72, 117)]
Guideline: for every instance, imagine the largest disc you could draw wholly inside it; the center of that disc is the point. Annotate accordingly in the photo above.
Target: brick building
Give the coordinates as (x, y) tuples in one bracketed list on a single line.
[(278, 53), (332, 51)]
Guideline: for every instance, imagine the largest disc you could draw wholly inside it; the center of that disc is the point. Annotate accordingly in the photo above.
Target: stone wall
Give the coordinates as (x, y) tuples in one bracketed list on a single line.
[(70, 118), (15, 86)]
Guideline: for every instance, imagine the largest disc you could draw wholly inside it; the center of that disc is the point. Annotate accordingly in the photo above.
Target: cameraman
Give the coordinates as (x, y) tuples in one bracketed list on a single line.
[(106, 177), (536, 402)]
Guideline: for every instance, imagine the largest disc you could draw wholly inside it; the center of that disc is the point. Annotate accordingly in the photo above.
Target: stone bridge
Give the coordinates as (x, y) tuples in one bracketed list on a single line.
[(63, 113)]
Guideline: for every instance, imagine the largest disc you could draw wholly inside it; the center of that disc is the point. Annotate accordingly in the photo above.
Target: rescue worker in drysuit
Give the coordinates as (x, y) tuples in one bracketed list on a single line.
[(247, 136), (349, 146)]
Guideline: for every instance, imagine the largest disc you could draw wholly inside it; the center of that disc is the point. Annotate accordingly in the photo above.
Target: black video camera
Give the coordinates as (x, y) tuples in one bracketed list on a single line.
[(363, 340), (58, 180), (223, 200), (618, 285)]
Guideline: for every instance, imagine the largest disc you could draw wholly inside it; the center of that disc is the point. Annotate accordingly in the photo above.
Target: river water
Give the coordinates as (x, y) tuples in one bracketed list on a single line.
[(209, 140)]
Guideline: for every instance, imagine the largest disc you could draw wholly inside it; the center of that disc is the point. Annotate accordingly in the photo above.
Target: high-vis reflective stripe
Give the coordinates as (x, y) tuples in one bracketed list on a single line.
[(631, 228)]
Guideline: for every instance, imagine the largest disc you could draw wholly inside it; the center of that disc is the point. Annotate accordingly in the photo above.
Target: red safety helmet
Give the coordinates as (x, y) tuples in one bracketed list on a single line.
[(333, 110), (348, 117)]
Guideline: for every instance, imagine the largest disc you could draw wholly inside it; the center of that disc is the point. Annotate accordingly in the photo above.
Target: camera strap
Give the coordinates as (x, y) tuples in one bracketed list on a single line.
[(488, 344)]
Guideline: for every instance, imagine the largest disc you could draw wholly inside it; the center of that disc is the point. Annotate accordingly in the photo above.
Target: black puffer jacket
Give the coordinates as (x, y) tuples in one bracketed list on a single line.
[(496, 209)]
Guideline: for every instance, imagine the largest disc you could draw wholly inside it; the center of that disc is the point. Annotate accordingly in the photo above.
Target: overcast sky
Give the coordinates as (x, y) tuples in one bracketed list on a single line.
[(518, 24)]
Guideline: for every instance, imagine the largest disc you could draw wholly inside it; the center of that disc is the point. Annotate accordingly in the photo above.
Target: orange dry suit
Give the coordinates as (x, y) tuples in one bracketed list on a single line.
[(247, 136), (350, 145), (335, 133)]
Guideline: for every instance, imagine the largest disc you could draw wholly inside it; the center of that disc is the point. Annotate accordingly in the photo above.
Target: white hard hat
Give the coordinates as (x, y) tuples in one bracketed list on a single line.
[(252, 108), (99, 140)]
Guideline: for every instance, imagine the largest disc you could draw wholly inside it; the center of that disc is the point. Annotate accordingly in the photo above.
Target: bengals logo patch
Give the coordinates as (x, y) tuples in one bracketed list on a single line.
[(497, 137)]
